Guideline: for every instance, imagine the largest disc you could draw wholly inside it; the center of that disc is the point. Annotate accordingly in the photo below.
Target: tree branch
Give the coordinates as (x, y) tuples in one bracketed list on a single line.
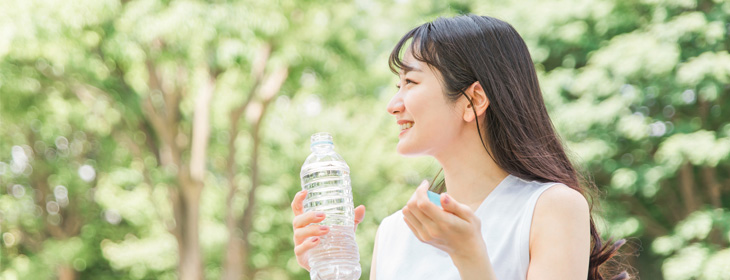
[(138, 154), (670, 196), (173, 97), (257, 72), (201, 130), (653, 227), (273, 84), (687, 188), (709, 176), (259, 65)]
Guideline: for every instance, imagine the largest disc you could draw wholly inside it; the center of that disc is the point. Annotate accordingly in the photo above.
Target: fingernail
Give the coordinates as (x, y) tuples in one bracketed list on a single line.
[(315, 239), (320, 215), (446, 199), (323, 228)]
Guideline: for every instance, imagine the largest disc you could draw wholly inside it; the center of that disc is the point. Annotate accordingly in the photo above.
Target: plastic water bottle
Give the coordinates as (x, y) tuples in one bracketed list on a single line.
[(326, 177)]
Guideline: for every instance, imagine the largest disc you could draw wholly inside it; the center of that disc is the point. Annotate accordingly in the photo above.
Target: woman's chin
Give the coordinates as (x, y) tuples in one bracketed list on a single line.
[(404, 150)]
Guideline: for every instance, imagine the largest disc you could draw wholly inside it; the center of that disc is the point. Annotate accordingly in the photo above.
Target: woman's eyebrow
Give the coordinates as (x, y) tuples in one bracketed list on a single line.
[(410, 68)]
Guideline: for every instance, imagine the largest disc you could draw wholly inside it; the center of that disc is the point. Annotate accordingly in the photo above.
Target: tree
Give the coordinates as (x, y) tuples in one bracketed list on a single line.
[(194, 118)]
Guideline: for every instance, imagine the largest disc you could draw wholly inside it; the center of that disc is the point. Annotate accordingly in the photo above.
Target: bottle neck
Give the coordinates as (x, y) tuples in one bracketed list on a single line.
[(322, 148)]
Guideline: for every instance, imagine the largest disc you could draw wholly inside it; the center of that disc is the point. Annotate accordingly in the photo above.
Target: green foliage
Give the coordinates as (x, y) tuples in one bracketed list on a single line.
[(637, 89)]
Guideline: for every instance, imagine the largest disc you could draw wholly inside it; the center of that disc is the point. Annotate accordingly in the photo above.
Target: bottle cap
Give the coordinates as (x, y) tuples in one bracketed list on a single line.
[(434, 197), (320, 138)]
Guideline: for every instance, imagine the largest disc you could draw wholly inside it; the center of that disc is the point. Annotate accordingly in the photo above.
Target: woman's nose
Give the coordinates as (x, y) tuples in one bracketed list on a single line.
[(396, 105)]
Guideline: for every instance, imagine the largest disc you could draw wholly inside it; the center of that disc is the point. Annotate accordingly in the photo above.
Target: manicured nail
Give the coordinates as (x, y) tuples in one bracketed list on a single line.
[(322, 228), (320, 215), (315, 239), (446, 199)]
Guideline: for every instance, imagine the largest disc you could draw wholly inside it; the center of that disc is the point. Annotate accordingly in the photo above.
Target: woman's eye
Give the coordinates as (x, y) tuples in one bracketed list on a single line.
[(407, 81)]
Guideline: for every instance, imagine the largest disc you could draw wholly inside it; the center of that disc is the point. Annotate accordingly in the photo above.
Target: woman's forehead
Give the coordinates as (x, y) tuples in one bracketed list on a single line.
[(411, 64)]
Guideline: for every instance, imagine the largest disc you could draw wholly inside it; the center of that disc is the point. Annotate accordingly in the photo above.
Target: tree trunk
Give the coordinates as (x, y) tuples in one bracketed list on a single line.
[(247, 218), (233, 268), (653, 227), (66, 272), (709, 175), (191, 264), (185, 199), (687, 188), (235, 261), (239, 250)]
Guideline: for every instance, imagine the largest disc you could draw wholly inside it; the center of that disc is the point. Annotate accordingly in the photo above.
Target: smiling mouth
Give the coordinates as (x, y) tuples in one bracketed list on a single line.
[(406, 126)]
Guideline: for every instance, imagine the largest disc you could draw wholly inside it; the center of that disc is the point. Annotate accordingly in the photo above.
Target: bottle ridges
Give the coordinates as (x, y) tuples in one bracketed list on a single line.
[(336, 257), (329, 191)]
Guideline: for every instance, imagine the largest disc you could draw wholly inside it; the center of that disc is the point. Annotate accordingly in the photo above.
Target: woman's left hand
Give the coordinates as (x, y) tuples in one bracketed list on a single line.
[(454, 228)]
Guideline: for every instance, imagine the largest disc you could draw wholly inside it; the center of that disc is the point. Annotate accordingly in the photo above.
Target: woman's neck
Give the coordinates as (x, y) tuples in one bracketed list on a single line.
[(470, 173)]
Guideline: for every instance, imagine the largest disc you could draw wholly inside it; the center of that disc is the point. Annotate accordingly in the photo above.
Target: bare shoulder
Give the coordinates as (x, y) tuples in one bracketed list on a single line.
[(560, 223), (560, 199), (560, 213)]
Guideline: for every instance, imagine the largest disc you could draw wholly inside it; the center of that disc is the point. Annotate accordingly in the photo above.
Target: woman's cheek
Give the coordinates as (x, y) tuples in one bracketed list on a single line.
[(411, 102)]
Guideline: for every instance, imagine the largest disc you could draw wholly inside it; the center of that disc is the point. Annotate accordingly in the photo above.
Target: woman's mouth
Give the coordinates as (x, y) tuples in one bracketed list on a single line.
[(404, 127)]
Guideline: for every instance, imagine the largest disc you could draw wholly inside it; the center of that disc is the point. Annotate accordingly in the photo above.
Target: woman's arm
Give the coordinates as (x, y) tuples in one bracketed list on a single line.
[(560, 235)]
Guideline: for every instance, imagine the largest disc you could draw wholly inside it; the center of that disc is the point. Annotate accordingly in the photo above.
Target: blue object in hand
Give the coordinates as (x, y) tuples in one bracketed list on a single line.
[(435, 198)]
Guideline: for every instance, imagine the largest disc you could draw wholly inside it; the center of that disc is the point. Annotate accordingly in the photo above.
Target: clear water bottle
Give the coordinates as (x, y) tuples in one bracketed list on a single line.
[(326, 177)]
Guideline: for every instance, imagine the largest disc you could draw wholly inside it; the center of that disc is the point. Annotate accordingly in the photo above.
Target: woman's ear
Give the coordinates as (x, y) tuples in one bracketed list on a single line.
[(479, 100)]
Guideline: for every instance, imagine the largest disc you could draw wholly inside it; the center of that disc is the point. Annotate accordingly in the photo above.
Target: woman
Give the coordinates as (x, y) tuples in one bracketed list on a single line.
[(514, 207)]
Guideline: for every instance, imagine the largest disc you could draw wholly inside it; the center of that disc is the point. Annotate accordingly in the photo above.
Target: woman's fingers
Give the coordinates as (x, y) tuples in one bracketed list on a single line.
[(423, 210), (305, 219), (454, 207), (412, 223), (359, 215), (415, 209), (297, 205), (301, 234), (426, 207), (302, 249), (414, 230)]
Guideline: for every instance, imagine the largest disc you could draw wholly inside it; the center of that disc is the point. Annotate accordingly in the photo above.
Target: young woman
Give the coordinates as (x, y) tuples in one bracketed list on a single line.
[(514, 206)]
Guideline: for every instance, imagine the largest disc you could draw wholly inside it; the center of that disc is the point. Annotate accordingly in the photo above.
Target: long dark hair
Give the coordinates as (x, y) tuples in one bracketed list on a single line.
[(518, 130)]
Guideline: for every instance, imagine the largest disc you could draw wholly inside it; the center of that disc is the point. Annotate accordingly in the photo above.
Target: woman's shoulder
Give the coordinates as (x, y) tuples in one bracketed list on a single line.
[(558, 208), (555, 193), (559, 197), (561, 222)]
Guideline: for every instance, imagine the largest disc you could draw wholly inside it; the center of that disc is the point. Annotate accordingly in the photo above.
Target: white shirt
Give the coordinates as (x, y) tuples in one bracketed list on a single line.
[(506, 217)]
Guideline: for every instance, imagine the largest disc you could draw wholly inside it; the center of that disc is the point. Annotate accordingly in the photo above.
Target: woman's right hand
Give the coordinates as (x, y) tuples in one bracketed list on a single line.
[(306, 235)]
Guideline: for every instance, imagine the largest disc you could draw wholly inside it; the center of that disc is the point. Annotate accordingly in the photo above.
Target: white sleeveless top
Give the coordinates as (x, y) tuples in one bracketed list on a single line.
[(506, 217)]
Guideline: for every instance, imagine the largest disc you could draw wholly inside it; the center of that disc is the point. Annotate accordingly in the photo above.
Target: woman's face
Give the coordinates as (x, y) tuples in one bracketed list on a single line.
[(428, 122)]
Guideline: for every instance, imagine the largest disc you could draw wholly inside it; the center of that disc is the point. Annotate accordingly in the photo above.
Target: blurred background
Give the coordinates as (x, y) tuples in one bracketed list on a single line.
[(156, 139)]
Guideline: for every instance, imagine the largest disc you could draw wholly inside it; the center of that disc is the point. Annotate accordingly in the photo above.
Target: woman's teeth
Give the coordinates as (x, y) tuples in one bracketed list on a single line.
[(406, 126)]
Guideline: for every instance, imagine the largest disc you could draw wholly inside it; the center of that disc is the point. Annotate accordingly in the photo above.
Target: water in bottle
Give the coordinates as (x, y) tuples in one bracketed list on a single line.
[(326, 177)]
